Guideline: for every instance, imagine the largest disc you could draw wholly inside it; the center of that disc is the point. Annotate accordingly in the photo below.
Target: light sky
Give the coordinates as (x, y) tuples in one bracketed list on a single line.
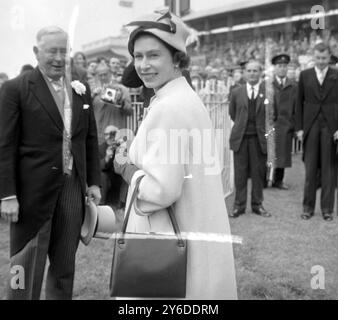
[(21, 19)]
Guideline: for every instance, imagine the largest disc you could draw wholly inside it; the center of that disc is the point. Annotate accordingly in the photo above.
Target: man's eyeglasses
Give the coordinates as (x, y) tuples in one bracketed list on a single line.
[(111, 135)]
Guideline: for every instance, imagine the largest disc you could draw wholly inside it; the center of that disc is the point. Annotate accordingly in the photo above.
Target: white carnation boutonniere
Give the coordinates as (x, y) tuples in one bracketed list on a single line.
[(261, 95), (79, 87), (266, 101)]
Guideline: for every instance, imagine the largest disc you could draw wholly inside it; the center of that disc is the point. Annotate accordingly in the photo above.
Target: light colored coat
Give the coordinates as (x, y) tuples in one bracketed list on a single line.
[(199, 203)]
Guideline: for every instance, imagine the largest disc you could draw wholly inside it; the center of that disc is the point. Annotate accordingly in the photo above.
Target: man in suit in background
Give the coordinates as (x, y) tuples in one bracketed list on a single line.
[(48, 154), (284, 104), (248, 140), (317, 127)]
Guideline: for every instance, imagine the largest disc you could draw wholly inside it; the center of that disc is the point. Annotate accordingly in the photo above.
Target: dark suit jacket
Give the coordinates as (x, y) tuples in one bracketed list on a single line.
[(311, 100), (238, 110), (284, 112), (31, 135)]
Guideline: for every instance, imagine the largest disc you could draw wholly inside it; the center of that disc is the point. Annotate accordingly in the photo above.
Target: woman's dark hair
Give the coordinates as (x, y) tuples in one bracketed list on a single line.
[(79, 53), (179, 57)]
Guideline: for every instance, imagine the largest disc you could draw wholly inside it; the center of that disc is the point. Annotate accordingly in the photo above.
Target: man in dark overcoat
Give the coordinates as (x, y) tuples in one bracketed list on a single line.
[(284, 107)]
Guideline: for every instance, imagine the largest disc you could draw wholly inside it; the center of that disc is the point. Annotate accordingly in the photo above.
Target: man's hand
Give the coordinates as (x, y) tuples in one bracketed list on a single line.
[(300, 135), (10, 210), (94, 194), (335, 135)]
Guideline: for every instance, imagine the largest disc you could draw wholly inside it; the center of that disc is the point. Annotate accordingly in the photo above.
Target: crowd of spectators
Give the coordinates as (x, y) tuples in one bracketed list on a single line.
[(225, 62)]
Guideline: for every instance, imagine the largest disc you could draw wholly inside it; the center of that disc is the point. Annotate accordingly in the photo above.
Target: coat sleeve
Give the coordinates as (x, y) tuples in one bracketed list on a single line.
[(92, 148), (232, 106), (162, 162), (9, 136), (299, 104)]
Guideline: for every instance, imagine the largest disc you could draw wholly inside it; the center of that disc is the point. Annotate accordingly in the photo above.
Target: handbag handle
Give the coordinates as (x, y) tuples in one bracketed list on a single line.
[(170, 211)]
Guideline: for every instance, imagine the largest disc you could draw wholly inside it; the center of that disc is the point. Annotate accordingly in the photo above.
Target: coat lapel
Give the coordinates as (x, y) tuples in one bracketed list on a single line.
[(78, 102), (245, 97), (260, 97), (276, 84), (316, 82), (42, 93), (288, 83), (328, 83)]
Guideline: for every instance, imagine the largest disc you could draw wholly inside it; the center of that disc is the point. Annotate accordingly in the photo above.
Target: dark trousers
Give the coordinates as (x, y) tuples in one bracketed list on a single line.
[(279, 175), (319, 152), (249, 160), (59, 239), (113, 189)]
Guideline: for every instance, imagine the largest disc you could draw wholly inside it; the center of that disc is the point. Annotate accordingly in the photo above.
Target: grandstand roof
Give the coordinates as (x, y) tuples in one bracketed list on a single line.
[(233, 6)]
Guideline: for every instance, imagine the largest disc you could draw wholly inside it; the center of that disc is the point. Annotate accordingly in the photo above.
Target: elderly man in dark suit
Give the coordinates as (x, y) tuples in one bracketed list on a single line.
[(48, 157), (248, 141), (317, 127), (284, 104)]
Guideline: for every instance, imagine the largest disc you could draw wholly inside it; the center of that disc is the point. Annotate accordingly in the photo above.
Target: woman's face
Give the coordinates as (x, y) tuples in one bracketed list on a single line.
[(79, 60), (153, 62)]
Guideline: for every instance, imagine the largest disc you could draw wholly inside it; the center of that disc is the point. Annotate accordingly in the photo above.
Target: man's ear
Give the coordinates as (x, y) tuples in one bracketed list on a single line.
[(36, 50)]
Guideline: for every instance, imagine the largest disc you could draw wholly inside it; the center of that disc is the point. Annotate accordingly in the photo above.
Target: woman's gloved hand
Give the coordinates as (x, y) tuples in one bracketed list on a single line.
[(122, 164)]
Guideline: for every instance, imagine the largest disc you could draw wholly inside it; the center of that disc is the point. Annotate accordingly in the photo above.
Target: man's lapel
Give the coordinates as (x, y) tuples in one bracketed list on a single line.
[(260, 97), (288, 82), (244, 95), (328, 83), (77, 105), (41, 91), (315, 82)]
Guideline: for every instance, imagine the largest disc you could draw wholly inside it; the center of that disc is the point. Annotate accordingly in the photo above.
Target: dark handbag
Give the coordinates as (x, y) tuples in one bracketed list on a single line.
[(149, 265)]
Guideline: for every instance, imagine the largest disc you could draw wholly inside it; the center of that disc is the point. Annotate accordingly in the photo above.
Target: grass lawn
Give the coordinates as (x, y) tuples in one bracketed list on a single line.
[(274, 260)]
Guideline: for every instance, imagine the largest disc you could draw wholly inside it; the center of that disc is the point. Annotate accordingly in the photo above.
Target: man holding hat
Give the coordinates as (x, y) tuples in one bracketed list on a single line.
[(284, 104), (48, 162)]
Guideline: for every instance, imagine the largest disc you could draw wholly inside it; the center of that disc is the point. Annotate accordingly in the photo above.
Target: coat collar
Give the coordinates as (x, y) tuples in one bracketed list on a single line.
[(170, 87), (327, 84)]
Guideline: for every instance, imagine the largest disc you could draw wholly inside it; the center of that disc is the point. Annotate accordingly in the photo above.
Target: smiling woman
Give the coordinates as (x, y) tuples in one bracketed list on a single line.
[(156, 62), (158, 48)]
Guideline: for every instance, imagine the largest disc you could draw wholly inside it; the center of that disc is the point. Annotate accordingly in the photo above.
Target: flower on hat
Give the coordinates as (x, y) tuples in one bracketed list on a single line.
[(79, 87)]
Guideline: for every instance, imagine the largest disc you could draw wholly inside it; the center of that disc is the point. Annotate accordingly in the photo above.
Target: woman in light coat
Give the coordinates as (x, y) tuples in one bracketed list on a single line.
[(174, 150)]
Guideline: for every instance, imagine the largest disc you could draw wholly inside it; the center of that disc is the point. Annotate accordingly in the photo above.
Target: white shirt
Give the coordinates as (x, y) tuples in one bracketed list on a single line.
[(249, 90), (281, 81), (321, 74)]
